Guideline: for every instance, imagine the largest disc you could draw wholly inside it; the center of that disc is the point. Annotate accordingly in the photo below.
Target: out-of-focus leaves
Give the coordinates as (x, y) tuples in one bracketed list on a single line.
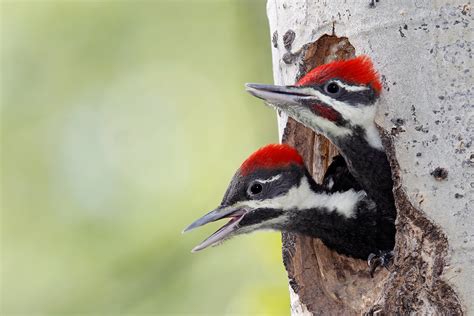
[(121, 123)]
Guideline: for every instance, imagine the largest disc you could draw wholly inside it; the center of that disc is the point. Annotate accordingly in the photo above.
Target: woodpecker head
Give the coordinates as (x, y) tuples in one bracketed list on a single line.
[(335, 99), (265, 187)]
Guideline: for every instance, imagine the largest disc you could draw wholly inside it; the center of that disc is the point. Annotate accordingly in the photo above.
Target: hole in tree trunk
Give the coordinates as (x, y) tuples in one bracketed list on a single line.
[(323, 281)]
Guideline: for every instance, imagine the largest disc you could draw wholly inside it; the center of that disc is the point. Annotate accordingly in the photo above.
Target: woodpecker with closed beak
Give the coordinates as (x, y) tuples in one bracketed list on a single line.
[(338, 100), (273, 190)]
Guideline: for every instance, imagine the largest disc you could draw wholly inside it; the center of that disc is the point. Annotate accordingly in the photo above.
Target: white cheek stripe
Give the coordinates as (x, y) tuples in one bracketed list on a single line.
[(319, 124), (357, 113), (302, 197), (350, 88), (373, 137), (274, 178)]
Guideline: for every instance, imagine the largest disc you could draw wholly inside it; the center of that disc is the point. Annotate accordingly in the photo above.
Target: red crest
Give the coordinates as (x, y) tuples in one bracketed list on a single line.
[(359, 70), (271, 156)]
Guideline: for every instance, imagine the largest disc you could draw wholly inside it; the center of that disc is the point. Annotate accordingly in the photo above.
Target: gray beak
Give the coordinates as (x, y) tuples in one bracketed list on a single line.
[(223, 232), (281, 97)]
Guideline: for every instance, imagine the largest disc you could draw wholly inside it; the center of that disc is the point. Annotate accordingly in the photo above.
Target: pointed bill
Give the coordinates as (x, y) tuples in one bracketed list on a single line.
[(235, 216), (220, 234), (279, 96), (212, 216)]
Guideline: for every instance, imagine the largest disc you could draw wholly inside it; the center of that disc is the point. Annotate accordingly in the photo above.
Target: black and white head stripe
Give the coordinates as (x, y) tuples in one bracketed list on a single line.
[(300, 197), (266, 198), (334, 108)]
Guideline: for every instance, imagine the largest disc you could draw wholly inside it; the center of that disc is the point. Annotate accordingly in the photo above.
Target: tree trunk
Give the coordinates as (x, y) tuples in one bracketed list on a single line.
[(423, 51)]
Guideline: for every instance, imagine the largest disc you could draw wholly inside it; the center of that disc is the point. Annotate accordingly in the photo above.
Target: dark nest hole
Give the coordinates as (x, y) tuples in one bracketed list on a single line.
[(324, 280)]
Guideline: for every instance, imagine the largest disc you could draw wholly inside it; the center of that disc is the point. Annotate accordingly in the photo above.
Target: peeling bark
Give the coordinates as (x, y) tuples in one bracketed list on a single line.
[(424, 278)]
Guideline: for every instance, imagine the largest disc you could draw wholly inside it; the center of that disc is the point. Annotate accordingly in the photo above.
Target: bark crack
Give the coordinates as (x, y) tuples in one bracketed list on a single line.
[(326, 281)]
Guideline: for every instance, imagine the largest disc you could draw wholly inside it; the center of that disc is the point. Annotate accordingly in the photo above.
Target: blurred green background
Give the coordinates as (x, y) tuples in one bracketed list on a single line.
[(121, 123)]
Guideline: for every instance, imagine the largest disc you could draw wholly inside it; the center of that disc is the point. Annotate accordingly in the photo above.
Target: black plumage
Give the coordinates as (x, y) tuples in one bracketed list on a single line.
[(338, 99), (365, 233), (288, 199), (338, 177)]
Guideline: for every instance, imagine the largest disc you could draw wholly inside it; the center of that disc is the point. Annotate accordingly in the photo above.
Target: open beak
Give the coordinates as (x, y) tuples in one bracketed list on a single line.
[(222, 233), (281, 97)]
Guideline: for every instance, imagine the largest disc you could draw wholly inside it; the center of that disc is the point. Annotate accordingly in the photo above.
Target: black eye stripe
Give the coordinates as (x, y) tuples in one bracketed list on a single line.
[(358, 97)]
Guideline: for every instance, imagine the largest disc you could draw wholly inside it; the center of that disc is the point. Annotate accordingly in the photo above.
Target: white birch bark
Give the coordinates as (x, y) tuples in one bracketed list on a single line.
[(423, 50)]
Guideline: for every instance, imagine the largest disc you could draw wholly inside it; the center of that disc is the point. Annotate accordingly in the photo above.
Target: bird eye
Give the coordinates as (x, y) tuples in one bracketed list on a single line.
[(256, 188), (332, 88)]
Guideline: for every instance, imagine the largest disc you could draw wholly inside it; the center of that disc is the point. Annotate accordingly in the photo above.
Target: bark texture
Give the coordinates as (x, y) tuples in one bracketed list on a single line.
[(423, 51)]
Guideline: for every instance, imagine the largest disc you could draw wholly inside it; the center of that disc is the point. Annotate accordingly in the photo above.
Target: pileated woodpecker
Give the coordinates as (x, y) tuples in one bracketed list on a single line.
[(338, 100), (272, 189)]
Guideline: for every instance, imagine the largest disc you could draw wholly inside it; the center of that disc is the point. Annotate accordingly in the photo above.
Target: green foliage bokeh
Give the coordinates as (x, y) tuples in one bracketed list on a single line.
[(122, 122)]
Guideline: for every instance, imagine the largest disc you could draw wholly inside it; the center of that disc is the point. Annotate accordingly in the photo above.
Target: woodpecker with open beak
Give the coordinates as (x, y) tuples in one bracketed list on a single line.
[(273, 190), (338, 100)]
